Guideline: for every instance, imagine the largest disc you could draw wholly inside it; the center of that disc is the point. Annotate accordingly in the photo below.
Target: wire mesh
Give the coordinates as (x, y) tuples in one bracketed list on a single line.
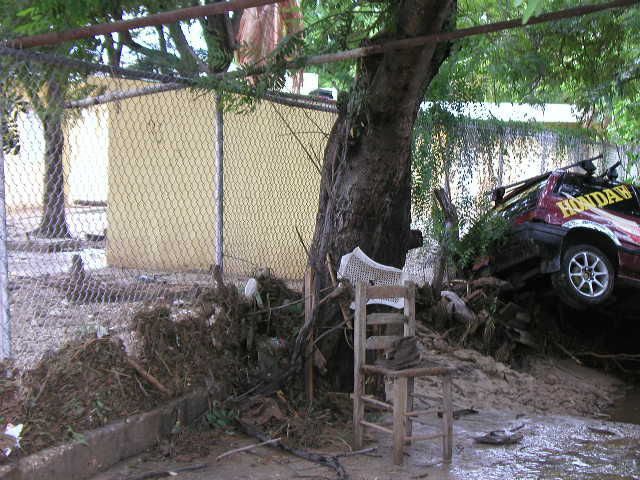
[(474, 157), (111, 188), (111, 191)]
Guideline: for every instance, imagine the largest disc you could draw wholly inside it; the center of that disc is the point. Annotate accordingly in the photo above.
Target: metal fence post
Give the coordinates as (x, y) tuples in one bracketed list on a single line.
[(219, 196), (5, 320)]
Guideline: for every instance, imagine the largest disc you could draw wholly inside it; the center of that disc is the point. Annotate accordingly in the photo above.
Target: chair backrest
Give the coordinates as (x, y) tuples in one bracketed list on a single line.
[(357, 267), (407, 319)]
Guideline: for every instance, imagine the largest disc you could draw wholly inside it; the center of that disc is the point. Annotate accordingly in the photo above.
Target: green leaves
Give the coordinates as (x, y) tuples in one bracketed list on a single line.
[(220, 418), (533, 8), (335, 25), (589, 61), (76, 437)]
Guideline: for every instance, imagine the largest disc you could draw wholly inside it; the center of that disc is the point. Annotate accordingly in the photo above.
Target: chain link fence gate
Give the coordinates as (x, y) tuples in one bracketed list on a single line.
[(115, 182)]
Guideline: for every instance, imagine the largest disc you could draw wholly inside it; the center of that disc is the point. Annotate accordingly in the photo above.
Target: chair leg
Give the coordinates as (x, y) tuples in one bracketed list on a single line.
[(409, 420), (399, 418), (358, 412), (447, 419)]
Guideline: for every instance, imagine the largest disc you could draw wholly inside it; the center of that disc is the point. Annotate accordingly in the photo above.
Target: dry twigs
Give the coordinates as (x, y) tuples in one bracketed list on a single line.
[(148, 377), (248, 447), (567, 352), (329, 461), (168, 473), (613, 356)]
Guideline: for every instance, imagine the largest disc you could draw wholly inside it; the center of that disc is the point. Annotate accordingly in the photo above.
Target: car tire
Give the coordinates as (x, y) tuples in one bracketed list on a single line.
[(585, 278)]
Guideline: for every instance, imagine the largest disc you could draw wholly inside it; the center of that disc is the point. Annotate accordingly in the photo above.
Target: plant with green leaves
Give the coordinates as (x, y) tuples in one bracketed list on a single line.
[(631, 168), (75, 436), (221, 418)]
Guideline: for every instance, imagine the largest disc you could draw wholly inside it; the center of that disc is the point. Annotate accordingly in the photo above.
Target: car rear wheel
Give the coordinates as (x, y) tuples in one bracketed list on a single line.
[(585, 278)]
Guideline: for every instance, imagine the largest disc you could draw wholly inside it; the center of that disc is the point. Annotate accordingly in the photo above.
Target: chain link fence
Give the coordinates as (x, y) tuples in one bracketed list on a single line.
[(474, 157), (123, 188)]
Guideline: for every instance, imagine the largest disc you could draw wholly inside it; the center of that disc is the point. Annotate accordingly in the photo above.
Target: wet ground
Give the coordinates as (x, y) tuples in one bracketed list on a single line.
[(628, 409), (553, 447)]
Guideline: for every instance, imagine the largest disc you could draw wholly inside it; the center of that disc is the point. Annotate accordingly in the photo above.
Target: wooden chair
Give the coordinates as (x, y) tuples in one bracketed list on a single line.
[(403, 380)]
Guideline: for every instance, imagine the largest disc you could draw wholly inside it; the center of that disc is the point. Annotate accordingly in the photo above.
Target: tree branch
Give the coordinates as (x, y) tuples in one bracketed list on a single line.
[(190, 59), (53, 38)]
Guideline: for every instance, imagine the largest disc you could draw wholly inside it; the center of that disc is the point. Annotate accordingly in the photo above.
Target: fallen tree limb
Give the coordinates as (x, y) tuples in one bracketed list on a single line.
[(617, 356), (450, 234), (364, 451), (147, 376), (567, 352), (248, 447), (328, 461), (168, 473)]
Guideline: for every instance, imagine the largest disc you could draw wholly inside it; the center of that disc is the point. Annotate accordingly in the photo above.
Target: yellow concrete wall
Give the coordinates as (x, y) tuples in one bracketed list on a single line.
[(161, 181), (271, 186), (161, 213)]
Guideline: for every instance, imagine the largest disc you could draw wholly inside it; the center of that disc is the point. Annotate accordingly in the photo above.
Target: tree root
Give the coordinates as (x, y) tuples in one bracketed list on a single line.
[(329, 461)]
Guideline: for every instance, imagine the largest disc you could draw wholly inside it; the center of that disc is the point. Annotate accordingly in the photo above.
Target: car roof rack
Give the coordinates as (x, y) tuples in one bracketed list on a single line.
[(498, 193)]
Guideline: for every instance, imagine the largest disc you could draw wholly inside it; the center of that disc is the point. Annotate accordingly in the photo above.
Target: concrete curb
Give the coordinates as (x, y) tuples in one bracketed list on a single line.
[(107, 445)]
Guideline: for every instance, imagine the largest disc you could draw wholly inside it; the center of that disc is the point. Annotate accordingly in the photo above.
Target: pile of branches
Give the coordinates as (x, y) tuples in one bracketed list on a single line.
[(481, 314)]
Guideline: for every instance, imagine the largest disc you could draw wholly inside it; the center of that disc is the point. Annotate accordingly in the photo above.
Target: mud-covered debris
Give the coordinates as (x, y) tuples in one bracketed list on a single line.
[(501, 437), (402, 354)]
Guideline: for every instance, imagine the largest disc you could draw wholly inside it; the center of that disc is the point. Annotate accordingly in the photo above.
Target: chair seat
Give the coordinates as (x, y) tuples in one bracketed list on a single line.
[(407, 372)]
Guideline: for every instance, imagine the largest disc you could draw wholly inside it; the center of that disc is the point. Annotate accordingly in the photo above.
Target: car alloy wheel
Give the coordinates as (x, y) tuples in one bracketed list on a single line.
[(588, 273), (586, 277)]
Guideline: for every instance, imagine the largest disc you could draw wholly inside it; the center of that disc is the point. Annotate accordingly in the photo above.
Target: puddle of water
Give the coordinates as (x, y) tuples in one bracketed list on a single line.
[(553, 447), (628, 409)]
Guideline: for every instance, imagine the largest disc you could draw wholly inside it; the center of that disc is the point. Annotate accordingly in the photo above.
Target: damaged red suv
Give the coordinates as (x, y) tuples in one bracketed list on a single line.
[(581, 229)]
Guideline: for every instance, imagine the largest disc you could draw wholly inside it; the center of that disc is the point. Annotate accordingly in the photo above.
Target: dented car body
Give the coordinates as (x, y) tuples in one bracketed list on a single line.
[(581, 230)]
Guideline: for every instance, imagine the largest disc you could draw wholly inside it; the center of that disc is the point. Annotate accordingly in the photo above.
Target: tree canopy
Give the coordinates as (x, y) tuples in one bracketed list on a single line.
[(590, 62)]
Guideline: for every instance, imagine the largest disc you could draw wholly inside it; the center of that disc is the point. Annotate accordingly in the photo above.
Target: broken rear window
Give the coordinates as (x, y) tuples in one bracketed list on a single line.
[(522, 202)]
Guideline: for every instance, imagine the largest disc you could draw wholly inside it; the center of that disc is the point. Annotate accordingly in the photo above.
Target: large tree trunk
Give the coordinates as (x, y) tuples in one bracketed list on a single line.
[(53, 223), (365, 194)]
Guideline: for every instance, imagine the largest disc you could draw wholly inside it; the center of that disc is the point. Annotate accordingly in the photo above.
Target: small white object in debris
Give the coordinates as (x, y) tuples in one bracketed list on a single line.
[(251, 291), (12, 431), (251, 288), (101, 331)]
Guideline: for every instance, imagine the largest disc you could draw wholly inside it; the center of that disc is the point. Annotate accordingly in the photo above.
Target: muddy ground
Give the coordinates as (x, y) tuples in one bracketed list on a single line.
[(552, 447), (90, 382)]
